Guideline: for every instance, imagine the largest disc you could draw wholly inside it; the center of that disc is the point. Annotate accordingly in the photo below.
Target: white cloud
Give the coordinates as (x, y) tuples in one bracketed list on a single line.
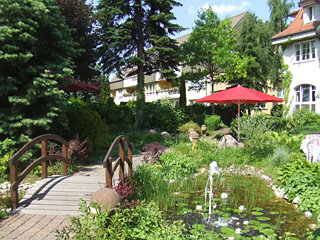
[(192, 10), (226, 8)]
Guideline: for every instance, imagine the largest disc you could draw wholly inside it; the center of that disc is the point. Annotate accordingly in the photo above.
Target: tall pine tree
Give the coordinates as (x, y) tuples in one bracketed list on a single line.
[(35, 55), (137, 33)]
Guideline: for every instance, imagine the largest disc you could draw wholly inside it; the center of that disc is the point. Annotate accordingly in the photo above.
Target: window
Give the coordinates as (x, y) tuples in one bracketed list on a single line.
[(298, 52), (305, 51), (311, 13), (305, 97), (280, 93)]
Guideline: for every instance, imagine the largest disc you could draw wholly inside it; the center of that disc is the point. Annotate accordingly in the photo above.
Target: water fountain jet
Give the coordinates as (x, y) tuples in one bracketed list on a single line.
[(214, 169)]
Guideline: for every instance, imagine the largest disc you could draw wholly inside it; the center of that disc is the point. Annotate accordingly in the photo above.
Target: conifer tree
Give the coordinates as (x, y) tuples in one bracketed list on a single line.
[(35, 55), (137, 34)]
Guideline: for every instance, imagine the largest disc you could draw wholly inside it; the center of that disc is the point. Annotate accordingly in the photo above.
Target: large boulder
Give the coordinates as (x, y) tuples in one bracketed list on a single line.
[(227, 141), (107, 197)]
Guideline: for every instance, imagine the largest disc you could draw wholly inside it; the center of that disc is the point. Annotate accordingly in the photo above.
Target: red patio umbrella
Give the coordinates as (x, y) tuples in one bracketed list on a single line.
[(239, 95), (76, 85)]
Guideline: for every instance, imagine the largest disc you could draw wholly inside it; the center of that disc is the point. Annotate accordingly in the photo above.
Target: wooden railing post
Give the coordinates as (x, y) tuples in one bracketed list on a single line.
[(44, 172), (129, 161), (121, 155), (65, 155), (14, 187), (109, 172)]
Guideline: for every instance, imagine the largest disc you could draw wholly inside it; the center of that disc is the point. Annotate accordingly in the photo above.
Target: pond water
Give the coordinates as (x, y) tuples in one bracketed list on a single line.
[(264, 214)]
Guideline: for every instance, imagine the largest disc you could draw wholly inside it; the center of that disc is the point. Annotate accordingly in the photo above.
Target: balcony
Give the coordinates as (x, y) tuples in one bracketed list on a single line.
[(130, 81)]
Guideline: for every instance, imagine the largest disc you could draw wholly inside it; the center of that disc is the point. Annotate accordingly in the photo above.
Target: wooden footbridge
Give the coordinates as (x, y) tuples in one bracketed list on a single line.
[(48, 205), (60, 195)]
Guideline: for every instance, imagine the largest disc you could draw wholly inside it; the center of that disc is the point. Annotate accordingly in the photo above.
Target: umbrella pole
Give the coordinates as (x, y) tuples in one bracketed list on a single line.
[(238, 122)]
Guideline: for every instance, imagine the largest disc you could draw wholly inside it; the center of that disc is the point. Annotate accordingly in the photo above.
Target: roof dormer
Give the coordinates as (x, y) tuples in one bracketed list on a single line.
[(311, 10)]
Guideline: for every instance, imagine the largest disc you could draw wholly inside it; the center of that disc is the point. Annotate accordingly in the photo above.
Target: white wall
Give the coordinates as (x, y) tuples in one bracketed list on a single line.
[(304, 72)]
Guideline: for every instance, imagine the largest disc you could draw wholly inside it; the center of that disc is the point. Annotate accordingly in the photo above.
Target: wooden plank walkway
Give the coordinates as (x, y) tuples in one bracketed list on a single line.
[(59, 195)]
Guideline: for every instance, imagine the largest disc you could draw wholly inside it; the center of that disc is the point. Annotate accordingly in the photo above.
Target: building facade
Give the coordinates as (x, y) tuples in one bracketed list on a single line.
[(156, 88), (300, 46)]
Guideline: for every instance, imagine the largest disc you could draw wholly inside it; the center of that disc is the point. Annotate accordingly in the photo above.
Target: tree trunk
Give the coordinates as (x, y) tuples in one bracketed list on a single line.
[(183, 94), (212, 91), (140, 87)]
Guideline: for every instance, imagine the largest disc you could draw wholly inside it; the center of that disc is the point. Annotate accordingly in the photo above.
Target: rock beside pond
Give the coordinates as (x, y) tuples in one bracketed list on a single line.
[(152, 131), (296, 200), (165, 134), (227, 141), (107, 197), (308, 214)]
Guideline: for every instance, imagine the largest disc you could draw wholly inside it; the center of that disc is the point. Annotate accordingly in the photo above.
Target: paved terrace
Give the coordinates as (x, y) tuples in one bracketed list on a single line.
[(48, 205)]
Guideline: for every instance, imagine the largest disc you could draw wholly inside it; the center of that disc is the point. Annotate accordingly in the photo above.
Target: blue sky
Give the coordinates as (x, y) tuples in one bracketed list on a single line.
[(187, 14)]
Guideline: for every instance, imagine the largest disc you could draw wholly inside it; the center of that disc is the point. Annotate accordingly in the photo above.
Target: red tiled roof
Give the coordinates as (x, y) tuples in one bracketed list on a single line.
[(296, 26)]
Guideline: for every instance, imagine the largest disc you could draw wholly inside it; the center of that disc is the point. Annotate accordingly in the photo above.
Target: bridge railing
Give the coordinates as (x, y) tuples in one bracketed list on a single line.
[(43, 160), (120, 141)]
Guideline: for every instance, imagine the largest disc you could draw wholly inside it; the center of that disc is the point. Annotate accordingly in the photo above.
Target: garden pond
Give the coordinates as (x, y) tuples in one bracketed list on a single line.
[(251, 209)]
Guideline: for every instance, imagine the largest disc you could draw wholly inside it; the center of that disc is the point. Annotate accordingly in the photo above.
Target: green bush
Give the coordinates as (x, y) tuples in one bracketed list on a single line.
[(6, 151), (177, 165), (280, 156), (88, 124), (185, 127), (250, 126), (305, 130), (163, 116), (197, 113), (213, 122), (304, 118), (144, 221), (301, 179)]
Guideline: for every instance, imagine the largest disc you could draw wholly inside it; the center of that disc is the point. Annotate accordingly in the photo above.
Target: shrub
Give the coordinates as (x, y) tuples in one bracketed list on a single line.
[(153, 152), (177, 165), (6, 152), (250, 126), (301, 179), (277, 111), (145, 221), (305, 130), (88, 124), (213, 122), (185, 127), (280, 157), (163, 116), (304, 118), (197, 113)]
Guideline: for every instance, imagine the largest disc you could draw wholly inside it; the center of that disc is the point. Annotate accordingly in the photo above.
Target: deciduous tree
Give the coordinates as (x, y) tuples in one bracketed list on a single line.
[(279, 13), (211, 52), (254, 42), (80, 18)]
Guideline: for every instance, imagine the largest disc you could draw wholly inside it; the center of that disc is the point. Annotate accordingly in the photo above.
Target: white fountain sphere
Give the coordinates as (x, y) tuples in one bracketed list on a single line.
[(224, 195)]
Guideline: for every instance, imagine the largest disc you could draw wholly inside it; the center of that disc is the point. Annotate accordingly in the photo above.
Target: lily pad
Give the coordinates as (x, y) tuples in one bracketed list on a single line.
[(228, 231), (274, 212), (257, 213), (257, 209), (263, 218)]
